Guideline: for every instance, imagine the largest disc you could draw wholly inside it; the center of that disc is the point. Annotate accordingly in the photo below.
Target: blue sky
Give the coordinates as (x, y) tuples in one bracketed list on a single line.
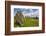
[(26, 11)]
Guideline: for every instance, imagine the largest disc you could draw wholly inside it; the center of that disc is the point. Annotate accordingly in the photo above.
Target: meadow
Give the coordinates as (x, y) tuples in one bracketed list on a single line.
[(28, 22)]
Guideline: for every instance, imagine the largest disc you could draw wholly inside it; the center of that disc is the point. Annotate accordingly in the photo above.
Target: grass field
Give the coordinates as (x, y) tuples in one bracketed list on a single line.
[(28, 22)]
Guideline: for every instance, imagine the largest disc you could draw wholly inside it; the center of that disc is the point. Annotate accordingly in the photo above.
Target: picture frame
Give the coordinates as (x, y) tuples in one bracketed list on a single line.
[(9, 20)]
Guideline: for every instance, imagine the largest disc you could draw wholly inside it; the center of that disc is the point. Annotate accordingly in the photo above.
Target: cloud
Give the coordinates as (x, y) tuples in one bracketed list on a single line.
[(32, 13), (27, 12)]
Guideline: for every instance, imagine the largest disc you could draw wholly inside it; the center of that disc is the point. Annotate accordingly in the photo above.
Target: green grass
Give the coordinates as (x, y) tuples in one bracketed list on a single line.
[(28, 22)]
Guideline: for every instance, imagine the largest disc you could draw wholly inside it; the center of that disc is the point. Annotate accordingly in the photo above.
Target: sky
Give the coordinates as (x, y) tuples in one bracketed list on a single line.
[(27, 12)]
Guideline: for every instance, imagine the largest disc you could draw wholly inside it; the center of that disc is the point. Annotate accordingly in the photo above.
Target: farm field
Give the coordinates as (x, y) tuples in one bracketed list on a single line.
[(28, 22)]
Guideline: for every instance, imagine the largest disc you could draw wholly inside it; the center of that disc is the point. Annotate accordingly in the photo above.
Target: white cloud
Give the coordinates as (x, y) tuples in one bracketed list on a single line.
[(33, 14)]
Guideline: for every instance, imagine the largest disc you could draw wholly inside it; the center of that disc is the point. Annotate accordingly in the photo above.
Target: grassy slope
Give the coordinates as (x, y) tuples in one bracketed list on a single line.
[(28, 22)]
